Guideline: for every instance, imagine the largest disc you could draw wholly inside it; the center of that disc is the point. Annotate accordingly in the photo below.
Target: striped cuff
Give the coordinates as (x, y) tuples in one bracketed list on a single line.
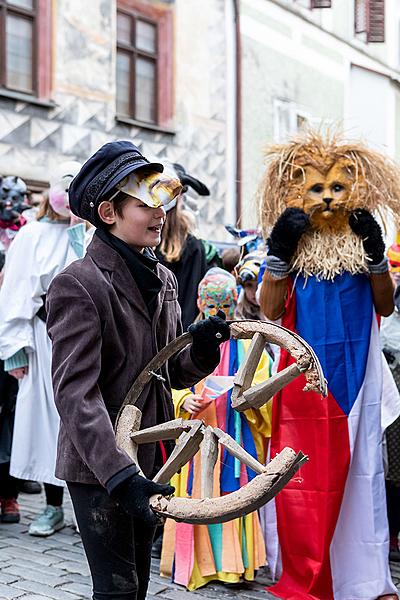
[(276, 267), (380, 268), (76, 235), (16, 361)]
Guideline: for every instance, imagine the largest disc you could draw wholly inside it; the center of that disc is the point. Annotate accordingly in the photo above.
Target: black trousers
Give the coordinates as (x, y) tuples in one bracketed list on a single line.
[(8, 484), (118, 548), (393, 506)]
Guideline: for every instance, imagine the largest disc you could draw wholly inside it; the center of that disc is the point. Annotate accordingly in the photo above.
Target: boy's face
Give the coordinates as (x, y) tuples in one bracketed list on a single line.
[(139, 225)]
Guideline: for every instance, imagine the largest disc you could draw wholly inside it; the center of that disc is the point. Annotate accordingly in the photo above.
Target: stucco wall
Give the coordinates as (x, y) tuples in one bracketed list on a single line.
[(34, 138)]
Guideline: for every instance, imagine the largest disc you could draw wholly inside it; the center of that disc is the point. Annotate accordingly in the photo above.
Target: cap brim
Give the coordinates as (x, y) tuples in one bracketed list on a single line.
[(128, 169)]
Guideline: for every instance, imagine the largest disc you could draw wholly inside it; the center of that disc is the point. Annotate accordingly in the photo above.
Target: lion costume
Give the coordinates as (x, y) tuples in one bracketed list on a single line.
[(327, 278)]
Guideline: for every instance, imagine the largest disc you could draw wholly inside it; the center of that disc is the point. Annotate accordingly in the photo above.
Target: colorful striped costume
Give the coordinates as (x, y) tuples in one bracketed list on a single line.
[(197, 554)]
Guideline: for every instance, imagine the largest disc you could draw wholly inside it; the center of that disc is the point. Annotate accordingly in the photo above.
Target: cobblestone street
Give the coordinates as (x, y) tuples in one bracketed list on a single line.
[(34, 568), (55, 568)]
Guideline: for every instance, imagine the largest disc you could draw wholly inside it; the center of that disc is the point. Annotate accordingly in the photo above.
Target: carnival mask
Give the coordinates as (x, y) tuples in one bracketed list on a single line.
[(325, 196), (58, 199), (59, 186), (217, 291)]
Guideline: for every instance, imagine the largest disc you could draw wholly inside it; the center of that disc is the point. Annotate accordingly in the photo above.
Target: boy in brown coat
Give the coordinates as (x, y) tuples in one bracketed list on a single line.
[(108, 315)]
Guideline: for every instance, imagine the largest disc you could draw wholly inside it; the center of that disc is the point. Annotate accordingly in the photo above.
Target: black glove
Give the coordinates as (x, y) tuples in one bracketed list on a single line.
[(133, 495), (364, 225), (286, 233), (207, 335)]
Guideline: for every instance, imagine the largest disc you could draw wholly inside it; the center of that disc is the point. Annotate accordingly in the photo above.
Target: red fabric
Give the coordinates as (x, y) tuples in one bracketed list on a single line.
[(308, 507), (163, 452)]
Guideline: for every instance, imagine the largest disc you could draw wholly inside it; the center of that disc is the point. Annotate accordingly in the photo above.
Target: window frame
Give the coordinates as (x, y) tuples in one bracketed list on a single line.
[(134, 53), (162, 18), (31, 15), (41, 50)]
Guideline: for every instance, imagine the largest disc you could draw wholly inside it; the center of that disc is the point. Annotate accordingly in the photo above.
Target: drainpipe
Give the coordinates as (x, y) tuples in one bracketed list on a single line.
[(238, 102)]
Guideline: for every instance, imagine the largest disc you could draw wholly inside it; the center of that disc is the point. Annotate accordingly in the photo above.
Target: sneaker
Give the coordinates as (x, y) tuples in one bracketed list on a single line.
[(50, 521), (9, 511)]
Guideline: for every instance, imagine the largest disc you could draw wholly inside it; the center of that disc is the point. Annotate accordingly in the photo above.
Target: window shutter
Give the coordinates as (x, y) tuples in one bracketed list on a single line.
[(376, 25), (321, 3), (369, 18)]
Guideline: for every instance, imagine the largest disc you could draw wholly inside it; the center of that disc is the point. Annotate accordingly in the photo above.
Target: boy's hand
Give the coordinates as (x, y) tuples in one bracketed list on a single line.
[(208, 335), (134, 493)]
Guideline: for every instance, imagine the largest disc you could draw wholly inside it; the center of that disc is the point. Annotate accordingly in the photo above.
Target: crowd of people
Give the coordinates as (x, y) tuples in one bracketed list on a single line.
[(108, 270)]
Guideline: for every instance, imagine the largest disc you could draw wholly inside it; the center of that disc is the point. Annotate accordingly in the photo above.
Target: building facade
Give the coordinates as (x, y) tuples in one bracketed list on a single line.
[(207, 84), (75, 75), (333, 66)]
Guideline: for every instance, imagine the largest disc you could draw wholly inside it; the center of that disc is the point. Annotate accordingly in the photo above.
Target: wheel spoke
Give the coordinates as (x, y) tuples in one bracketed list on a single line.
[(209, 455), (186, 447)]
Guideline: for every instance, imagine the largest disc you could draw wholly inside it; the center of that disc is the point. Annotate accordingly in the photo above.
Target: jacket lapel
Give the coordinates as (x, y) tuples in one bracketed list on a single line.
[(107, 259)]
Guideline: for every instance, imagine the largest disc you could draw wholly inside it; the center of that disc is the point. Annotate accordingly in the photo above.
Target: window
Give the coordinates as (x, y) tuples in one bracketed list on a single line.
[(25, 46), (314, 3), (321, 3), (289, 119), (18, 19), (144, 62), (369, 20), (137, 67)]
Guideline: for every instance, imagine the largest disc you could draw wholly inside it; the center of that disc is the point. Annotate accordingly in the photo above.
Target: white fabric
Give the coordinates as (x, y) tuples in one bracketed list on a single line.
[(39, 252), (360, 545)]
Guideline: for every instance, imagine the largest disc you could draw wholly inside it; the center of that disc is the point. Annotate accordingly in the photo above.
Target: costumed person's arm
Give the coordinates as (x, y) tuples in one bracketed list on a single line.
[(282, 245), (20, 299), (178, 398), (74, 327), (364, 225)]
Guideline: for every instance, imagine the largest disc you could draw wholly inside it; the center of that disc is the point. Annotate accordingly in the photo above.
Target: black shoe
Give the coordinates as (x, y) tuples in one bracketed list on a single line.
[(394, 555), (29, 487)]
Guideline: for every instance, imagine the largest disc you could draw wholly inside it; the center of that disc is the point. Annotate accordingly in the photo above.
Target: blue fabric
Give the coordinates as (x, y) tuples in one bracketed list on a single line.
[(16, 361), (230, 479), (343, 310), (215, 533), (261, 271), (76, 235)]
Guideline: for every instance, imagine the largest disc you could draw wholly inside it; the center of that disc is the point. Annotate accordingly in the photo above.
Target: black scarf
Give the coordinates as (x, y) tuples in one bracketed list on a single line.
[(142, 267)]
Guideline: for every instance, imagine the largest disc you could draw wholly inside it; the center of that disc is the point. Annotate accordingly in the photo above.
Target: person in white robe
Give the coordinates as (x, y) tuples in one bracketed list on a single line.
[(40, 251)]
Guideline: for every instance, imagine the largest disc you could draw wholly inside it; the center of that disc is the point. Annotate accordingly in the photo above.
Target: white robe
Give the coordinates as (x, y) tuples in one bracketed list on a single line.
[(38, 253)]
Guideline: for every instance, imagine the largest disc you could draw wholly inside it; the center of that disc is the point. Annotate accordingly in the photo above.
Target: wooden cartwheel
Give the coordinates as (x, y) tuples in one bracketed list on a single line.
[(193, 435)]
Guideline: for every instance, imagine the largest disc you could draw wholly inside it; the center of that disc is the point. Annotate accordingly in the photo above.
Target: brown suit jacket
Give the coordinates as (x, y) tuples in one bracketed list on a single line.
[(102, 338)]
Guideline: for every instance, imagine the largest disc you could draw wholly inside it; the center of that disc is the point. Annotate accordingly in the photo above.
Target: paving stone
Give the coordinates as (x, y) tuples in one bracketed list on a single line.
[(11, 553), (8, 593), (74, 567), (54, 570), (156, 588), (80, 589), (42, 589), (42, 576), (74, 578), (65, 554), (4, 578), (32, 597)]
